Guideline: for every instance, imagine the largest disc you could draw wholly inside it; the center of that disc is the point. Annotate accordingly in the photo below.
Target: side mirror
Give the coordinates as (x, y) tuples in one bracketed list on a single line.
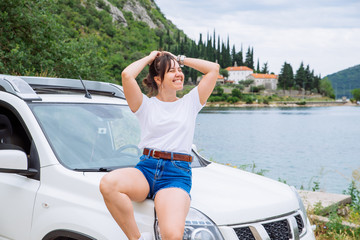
[(15, 161)]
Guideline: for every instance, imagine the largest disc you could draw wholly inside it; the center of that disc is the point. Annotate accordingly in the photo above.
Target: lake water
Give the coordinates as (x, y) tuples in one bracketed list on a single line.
[(298, 145)]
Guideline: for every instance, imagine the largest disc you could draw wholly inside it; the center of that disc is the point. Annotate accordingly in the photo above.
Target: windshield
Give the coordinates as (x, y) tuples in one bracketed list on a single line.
[(91, 137)]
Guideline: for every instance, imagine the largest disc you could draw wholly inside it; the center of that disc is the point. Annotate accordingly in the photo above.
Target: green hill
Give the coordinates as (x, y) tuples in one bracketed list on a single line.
[(346, 80), (96, 39)]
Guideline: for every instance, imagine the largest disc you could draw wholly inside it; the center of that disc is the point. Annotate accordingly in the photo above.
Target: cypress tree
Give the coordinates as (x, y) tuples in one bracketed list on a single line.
[(309, 78), (218, 50), (233, 56), (228, 57), (265, 68), (252, 58), (223, 55), (214, 37), (248, 59), (316, 84), (300, 77), (286, 77)]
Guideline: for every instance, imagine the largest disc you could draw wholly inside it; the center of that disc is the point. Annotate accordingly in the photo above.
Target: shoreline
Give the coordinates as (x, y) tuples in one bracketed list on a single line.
[(279, 104)]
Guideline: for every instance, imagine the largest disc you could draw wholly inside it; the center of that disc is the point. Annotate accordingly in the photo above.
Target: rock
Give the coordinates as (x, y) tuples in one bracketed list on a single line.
[(140, 13), (327, 200), (116, 14)]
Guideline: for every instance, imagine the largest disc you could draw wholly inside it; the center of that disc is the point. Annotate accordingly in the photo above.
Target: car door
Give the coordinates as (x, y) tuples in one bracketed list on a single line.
[(17, 192)]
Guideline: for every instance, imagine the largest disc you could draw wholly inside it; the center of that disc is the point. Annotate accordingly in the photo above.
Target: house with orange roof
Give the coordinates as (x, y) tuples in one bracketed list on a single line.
[(238, 73), (220, 79), (269, 81)]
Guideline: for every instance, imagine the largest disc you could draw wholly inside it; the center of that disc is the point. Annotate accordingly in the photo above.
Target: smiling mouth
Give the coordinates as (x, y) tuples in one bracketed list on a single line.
[(177, 80)]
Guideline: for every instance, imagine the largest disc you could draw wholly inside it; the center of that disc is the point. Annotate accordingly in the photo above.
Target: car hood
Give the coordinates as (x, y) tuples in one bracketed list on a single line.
[(232, 196)]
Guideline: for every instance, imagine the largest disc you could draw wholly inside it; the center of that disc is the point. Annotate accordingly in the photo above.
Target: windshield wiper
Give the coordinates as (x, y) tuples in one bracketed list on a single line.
[(92, 169)]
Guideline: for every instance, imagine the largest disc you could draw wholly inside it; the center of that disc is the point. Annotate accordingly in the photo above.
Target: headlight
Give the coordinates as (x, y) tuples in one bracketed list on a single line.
[(197, 227), (302, 209), (301, 204)]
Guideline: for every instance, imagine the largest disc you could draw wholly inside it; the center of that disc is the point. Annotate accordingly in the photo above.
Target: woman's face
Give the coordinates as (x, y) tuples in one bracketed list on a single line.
[(174, 77)]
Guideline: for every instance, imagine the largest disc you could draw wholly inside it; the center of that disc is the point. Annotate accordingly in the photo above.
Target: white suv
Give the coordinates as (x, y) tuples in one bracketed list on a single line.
[(58, 137)]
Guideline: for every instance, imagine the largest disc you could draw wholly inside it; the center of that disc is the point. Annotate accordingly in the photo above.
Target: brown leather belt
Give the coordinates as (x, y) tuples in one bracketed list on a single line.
[(167, 155)]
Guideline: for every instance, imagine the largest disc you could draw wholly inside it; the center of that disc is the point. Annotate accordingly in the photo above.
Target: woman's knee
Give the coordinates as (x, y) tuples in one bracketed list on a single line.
[(172, 234), (109, 184)]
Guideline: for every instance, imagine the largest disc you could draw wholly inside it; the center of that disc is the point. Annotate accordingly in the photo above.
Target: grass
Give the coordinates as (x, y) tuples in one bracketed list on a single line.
[(343, 221)]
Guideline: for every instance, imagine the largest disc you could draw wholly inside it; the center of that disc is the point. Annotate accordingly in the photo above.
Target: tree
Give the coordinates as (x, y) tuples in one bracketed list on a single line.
[(300, 76), (309, 78), (238, 59), (265, 68), (218, 90), (286, 77), (326, 88), (316, 83), (28, 36), (224, 72), (233, 55), (249, 61), (236, 93), (356, 94)]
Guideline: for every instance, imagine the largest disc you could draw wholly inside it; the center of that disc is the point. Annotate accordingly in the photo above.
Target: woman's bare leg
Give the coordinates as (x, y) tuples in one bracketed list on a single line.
[(172, 206), (119, 188)]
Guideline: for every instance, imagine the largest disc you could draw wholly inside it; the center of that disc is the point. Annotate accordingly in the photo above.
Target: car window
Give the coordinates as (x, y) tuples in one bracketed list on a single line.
[(86, 136), (91, 136)]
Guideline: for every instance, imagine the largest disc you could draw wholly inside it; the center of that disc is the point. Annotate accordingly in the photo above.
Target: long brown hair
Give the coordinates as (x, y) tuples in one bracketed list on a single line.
[(158, 67)]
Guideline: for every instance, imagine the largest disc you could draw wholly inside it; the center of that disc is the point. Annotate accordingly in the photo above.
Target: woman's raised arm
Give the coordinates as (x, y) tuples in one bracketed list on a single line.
[(132, 90), (208, 82)]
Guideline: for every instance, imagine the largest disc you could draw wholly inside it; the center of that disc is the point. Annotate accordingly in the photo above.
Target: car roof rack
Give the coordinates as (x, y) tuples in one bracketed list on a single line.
[(18, 87), (25, 87)]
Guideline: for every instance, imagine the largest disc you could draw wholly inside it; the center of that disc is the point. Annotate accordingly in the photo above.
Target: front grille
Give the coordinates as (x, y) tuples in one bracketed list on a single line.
[(244, 233), (278, 229)]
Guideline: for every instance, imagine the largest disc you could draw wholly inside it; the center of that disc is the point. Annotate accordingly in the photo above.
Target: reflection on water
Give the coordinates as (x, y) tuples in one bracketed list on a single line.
[(299, 145)]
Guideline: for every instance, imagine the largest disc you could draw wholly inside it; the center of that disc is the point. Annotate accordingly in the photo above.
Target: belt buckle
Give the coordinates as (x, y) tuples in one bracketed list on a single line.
[(153, 154)]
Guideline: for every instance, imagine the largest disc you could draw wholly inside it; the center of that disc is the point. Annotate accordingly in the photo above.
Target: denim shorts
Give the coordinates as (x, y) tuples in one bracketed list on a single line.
[(163, 173)]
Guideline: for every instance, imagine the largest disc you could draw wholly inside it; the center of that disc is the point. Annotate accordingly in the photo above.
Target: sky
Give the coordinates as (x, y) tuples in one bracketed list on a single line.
[(324, 34)]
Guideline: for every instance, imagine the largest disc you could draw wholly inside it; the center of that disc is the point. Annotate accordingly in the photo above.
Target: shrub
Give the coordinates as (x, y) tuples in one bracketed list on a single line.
[(219, 90), (215, 99), (254, 89), (356, 93), (249, 100), (232, 99), (302, 103), (314, 90), (224, 96), (240, 86), (236, 93)]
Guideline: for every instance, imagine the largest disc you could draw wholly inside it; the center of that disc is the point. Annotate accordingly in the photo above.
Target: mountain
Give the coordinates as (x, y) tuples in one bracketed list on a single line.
[(346, 80), (95, 39)]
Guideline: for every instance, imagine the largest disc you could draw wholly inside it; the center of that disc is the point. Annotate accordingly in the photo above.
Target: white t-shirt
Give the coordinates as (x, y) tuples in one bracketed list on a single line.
[(169, 126)]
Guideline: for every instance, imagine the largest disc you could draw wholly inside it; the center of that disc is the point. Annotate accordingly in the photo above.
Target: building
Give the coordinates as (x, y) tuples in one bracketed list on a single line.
[(220, 79), (238, 74), (269, 81)]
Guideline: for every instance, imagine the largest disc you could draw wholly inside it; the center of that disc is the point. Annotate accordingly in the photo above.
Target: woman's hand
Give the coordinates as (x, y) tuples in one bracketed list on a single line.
[(153, 55), (169, 54)]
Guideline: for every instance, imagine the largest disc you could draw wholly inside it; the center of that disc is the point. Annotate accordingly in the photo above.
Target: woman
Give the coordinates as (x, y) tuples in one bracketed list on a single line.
[(167, 129)]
